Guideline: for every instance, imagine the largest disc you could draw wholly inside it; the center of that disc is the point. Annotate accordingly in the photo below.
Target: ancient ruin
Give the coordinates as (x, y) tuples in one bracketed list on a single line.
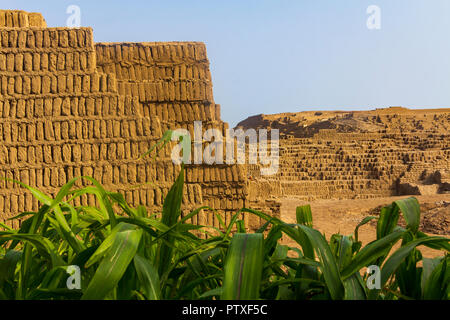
[(71, 107), (357, 154)]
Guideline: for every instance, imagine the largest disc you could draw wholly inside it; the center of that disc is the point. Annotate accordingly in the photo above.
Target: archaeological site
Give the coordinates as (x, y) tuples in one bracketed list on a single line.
[(70, 107)]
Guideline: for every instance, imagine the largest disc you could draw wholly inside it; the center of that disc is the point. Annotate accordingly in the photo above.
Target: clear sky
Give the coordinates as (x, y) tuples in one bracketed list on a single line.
[(286, 56)]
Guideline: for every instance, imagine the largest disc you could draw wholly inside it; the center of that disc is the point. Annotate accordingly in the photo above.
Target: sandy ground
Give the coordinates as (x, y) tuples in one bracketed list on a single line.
[(342, 216)]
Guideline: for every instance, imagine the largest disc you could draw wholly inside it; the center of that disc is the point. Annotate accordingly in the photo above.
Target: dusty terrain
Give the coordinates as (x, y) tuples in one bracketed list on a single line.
[(333, 216)]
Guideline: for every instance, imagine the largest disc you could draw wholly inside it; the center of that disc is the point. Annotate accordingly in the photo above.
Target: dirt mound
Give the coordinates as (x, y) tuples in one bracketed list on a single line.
[(394, 119), (331, 216), (435, 217)]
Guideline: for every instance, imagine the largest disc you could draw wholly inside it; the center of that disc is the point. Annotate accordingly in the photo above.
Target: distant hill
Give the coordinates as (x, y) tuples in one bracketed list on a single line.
[(389, 120)]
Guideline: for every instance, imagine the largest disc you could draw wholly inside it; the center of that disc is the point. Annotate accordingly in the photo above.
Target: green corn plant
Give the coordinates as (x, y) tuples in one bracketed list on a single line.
[(243, 267), (128, 253)]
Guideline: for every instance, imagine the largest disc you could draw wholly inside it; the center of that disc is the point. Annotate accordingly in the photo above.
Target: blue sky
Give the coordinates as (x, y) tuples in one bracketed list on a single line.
[(287, 56)]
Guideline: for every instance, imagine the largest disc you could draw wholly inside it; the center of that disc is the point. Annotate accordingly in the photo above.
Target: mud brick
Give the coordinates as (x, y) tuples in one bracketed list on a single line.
[(62, 84), (11, 86), (44, 59), (77, 173), (12, 155), (116, 175), (39, 108), (61, 61), (39, 154), (106, 106), (87, 171), (54, 177), (112, 149), (76, 153), (98, 173), (73, 39), (12, 39), (91, 62), (28, 202), (47, 153), (95, 82), (83, 61), (20, 109), (36, 85), (46, 42), (18, 85), (69, 61), (52, 62), (85, 132), (76, 61), (54, 38), (98, 106), (69, 83), (57, 130), (10, 62), (65, 107), (53, 84), (62, 178), (103, 154), (4, 85), (31, 132), (4, 38), (86, 84), (63, 38), (90, 106), (97, 129), (72, 129), (107, 175), (2, 62), (39, 37), (81, 33), (66, 153), (95, 152), (46, 84)]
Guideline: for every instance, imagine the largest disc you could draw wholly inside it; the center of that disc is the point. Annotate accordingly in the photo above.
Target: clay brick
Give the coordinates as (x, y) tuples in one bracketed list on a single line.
[(31, 39), (61, 61), (18, 85), (39, 38)]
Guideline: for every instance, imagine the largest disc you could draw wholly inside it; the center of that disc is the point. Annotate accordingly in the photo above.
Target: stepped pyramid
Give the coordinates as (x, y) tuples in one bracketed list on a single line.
[(69, 107), (358, 154)]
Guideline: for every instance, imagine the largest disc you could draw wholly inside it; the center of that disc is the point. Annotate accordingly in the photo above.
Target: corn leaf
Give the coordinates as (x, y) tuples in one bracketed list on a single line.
[(243, 267), (114, 264)]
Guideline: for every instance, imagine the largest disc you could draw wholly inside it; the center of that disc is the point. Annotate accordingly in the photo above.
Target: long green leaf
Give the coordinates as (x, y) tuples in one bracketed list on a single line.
[(370, 253), (329, 267), (148, 277), (114, 264), (243, 267), (411, 211), (170, 214)]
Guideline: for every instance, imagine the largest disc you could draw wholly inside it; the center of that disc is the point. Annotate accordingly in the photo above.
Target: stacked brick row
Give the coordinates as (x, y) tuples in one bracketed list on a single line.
[(173, 83), (68, 109), (60, 118), (342, 165), (21, 19)]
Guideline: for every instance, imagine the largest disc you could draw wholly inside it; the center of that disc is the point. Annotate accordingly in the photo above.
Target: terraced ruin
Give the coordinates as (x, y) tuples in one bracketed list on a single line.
[(359, 154), (71, 107)]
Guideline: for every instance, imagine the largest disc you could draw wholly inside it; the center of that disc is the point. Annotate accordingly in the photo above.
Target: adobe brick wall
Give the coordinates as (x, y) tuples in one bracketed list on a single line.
[(359, 154), (69, 107)]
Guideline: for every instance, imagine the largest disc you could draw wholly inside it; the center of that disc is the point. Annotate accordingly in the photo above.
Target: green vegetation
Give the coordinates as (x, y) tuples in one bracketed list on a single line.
[(128, 253)]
